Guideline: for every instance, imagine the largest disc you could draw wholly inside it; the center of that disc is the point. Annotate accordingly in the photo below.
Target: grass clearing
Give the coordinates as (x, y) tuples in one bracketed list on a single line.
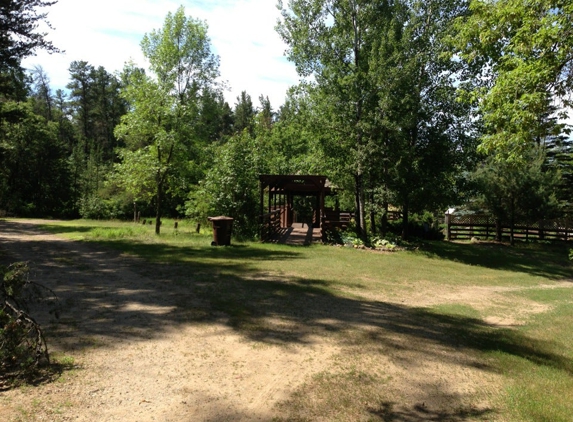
[(448, 332)]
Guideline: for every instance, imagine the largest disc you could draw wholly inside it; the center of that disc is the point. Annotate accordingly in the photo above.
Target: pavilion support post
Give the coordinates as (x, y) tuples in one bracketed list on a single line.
[(275, 201), (290, 210), (321, 216), (283, 210), (269, 202)]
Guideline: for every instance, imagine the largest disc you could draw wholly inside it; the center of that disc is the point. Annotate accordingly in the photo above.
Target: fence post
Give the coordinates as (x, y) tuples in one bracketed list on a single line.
[(448, 227)]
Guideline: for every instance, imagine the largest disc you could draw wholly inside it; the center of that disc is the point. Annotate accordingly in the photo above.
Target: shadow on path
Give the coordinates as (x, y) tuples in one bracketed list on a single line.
[(109, 298)]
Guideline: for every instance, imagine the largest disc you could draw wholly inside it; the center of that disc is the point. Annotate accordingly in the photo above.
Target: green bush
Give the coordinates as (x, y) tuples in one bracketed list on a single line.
[(94, 207)]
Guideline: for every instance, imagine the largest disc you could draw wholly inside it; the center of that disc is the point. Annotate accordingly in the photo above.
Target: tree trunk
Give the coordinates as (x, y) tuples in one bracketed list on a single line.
[(384, 222), (158, 207), (360, 217), (405, 212), (372, 215)]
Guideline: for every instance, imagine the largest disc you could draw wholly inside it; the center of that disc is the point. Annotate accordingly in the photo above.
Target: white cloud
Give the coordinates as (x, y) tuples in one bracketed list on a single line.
[(108, 32)]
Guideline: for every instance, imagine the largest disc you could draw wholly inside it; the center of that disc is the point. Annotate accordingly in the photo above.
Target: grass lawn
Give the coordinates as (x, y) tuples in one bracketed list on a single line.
[(504, 312)]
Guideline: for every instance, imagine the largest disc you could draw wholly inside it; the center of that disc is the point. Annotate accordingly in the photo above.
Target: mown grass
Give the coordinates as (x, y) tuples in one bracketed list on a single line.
[(249, 281)]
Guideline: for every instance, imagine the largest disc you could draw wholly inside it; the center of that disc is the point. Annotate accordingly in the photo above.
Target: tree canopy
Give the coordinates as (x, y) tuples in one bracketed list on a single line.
[(395, 97), (522, 55), (159, 129), (19, 21)]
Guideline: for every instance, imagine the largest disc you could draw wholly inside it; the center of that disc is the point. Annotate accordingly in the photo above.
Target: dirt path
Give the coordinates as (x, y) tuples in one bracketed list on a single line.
[(135, 360), (145, 349)]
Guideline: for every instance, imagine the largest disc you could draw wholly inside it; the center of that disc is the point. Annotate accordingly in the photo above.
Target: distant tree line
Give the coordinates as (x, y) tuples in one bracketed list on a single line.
[(405, 105)]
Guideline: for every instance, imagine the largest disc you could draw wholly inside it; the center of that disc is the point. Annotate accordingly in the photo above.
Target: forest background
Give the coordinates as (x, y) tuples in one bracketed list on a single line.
[(414, 106)]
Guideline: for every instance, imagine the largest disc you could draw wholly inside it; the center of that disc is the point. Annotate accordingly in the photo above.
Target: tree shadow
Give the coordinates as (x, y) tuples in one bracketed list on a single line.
[(109, 297), (391, 412), (43, 374), (57, 229), (547, 260)]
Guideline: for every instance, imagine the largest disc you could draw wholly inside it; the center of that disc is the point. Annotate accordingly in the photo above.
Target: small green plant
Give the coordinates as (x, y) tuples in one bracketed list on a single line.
[(571, 254), (350, 239), (381, 243), (357, 242)]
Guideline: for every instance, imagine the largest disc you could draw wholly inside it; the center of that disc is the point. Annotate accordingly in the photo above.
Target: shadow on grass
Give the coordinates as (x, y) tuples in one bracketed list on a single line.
[(110, 298), (391, 412), (542, 259), (57, 229), (198, 249), (45, 374)]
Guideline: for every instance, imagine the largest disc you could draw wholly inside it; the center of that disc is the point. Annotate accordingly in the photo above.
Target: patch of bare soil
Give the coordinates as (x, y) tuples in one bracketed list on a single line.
[(135, 360), (145, 349)]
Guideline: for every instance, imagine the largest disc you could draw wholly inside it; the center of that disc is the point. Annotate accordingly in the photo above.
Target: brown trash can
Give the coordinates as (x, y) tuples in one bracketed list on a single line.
[(222, 230)]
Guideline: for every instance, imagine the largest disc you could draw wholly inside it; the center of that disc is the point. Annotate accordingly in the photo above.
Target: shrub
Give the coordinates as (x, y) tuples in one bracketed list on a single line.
[(22, 345)]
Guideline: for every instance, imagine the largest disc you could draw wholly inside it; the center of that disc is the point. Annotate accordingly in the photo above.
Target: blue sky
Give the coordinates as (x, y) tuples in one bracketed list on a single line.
[(108, 32)]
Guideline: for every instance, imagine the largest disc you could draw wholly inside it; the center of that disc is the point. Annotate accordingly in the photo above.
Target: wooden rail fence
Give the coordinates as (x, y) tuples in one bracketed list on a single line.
[(484, 227)]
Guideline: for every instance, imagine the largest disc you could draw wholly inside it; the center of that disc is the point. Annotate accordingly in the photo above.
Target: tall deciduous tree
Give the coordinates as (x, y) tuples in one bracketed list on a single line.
[(333, 41), (164, 108), (424, 135), (386, 92), (523, 53)]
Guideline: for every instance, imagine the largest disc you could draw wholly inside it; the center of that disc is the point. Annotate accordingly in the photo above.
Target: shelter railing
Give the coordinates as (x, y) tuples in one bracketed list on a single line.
[(270, 225), (333, 220)]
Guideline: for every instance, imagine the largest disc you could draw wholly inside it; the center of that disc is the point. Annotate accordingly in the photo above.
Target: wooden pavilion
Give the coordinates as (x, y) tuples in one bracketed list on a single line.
[(277, 193)]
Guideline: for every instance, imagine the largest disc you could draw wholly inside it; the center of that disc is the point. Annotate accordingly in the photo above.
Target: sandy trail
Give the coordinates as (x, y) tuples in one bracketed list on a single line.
[(137, 359), (147, 349)]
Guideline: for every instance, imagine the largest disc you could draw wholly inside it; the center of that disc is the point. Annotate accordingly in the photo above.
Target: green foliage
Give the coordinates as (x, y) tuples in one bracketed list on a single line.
[(99, 208), (384, 99), (22, 345), (335, 44), (294, 143), (381, 243), (522, 52), (96, 104), (34, 174), (159, 130), (516, 192), (180, 55), (231, 186), (244, 118), (18, 36)]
